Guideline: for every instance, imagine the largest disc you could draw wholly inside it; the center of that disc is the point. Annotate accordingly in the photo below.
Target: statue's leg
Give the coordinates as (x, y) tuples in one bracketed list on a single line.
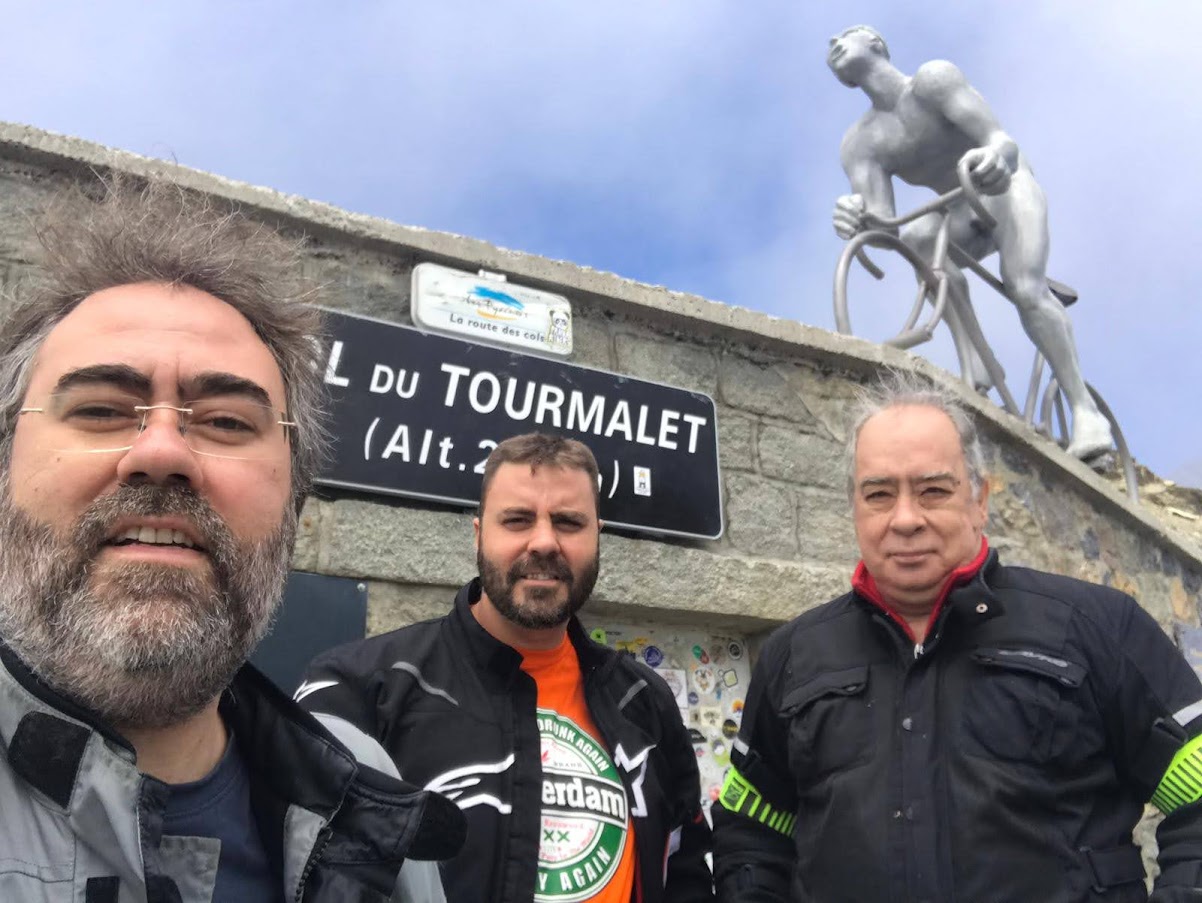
[(920, 235), (1022, 240)]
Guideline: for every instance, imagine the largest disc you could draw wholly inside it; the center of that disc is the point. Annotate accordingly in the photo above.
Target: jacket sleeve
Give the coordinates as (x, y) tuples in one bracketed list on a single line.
[(341, 700), (1155, 719), (687, 876), (755, 815), (343, 694)]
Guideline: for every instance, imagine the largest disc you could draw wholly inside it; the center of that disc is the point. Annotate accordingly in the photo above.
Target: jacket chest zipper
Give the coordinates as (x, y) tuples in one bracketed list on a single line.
[(319, 845)]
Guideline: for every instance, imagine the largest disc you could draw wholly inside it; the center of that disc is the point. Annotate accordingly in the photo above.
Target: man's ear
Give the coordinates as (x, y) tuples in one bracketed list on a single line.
[(983, 499), (600, 525), (476, 533)]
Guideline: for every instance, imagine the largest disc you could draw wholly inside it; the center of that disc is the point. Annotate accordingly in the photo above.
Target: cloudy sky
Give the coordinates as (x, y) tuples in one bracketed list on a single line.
[(690, 143)]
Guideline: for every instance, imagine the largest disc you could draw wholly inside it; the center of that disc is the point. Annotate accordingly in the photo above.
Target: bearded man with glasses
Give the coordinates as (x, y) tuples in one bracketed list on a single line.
[(160, 424)]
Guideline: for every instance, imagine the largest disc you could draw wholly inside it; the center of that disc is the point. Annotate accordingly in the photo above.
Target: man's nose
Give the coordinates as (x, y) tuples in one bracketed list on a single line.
[(159, 455), (907, 516), (543, 538)]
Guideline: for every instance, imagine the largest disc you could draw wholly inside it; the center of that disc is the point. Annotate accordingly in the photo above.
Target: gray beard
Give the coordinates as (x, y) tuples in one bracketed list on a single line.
[(140, 644)]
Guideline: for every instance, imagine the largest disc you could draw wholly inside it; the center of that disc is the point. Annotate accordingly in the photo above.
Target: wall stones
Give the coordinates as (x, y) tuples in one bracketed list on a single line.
[(763, 388), (761, 516), (392, 604), (736, 440), (397, 543), (786, 454), (676, 363)]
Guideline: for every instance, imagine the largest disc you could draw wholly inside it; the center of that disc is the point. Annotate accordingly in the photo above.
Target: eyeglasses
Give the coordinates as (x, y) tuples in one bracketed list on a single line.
[(98, 420)]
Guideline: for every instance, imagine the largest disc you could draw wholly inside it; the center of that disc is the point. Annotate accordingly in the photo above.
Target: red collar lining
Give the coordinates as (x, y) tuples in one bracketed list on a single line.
[(864, 584)]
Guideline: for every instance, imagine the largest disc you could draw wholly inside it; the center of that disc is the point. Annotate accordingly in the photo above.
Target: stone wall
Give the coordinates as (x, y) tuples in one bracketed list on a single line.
[(781, 388)]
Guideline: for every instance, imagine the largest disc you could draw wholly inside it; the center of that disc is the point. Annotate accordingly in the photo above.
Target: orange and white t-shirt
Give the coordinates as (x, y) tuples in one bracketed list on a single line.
[(586, 841)]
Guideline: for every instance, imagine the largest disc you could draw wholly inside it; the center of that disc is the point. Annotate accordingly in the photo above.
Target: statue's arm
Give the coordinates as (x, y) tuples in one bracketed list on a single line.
[(871, 187), (942, 87)]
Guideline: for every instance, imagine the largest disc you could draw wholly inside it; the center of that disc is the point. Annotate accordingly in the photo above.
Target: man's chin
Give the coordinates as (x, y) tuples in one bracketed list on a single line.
[(542, 595), (534, 613)]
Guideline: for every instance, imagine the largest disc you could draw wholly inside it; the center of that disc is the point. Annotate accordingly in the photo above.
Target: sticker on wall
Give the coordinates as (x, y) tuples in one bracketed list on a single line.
[(721, 756), (677, 682), (730, 727), (708, 675)]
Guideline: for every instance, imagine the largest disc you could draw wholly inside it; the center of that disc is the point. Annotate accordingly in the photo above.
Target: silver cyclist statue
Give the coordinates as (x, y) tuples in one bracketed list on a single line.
[(919, 129)]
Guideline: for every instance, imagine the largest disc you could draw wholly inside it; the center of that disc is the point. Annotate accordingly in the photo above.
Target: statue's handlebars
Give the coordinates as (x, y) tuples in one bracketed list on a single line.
[(967, 191)]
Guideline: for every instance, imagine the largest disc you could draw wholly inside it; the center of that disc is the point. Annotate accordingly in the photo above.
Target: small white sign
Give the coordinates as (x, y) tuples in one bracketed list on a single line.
[(642, 481), (486, 308)]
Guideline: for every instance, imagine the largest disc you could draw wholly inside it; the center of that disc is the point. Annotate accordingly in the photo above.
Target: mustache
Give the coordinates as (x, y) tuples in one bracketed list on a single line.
[(93, 529), (534, 563)]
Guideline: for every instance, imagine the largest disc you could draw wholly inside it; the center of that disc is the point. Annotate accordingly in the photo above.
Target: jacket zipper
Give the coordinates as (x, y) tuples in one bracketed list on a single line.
[(323, 838)]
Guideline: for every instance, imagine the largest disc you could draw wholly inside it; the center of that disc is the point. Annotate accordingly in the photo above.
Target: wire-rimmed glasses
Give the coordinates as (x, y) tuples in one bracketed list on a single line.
[(100, 420)]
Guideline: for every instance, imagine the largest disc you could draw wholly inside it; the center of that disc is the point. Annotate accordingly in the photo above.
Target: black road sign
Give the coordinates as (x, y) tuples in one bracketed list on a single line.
[(416, 415)]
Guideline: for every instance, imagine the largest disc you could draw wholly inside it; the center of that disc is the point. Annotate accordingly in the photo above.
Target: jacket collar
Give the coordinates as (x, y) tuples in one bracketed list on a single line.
[(504, 660), (969, 581), (88, 770), (489, 652), (263, 719), (52, 699)]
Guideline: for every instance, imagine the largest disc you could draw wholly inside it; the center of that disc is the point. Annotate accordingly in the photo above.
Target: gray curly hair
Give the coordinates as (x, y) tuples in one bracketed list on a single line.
[(896, 388), (157, 231)]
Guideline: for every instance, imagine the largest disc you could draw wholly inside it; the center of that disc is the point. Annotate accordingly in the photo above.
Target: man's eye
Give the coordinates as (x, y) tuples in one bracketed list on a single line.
[(515, 521), (935, 492), (878, 497), (225, 423), (569, 525), (100, 413)]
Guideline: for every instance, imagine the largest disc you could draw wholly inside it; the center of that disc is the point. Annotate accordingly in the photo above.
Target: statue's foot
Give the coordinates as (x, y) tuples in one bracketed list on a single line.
[(1091, 435), (978, 377), (977, 374)]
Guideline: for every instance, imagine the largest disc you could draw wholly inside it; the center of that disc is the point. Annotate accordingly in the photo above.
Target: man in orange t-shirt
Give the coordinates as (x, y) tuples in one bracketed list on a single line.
[(568, 759)]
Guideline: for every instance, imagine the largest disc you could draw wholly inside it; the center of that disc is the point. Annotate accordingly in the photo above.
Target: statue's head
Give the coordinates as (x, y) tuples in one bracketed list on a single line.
[(852, 50)]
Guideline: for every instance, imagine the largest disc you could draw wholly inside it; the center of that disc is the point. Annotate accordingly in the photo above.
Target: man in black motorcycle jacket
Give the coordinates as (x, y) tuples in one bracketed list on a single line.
[(569, 759), (954, 729)]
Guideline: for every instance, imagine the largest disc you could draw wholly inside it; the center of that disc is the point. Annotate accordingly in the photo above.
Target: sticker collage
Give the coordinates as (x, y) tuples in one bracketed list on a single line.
[(708, 674)]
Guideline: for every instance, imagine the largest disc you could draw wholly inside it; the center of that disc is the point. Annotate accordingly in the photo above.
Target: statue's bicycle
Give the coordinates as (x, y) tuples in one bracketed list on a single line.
[(1044, 411)]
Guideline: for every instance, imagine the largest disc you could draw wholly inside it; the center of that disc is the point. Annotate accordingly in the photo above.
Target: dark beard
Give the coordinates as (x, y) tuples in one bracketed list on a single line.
[(140, 644), (499, 587)]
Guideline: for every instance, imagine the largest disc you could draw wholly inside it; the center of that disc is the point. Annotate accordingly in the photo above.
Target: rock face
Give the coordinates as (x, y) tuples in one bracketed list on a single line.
[(782, 391)]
